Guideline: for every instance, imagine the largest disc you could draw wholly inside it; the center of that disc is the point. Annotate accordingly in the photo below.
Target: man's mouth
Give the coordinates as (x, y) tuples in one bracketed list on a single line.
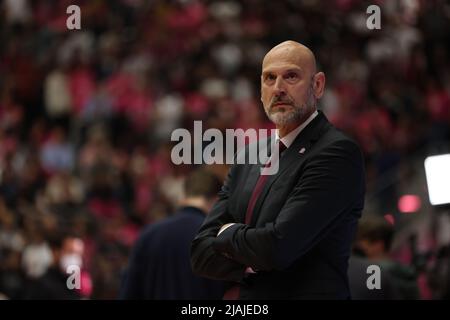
[(280, 104)]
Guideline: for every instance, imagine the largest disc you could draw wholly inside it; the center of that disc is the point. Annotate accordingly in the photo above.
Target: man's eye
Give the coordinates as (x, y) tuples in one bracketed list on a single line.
[(291, 75), (270, 77)]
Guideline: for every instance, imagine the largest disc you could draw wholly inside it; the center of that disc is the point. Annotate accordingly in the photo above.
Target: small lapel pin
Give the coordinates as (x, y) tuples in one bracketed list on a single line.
[(302, 150)]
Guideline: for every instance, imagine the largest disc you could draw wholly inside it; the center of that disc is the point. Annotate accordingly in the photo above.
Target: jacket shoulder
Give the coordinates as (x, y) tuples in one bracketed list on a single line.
[(334, 136)]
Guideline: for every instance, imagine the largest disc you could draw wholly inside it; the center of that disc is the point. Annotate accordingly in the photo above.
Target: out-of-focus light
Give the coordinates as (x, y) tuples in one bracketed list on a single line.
[(86, 284), (389, 218), (409, 203), (437, 170)]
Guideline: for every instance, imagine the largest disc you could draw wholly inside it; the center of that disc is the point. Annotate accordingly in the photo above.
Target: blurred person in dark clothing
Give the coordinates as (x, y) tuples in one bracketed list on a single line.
[(11, 278), (159, 266), (358, 276), (371, 247), (54, 284)]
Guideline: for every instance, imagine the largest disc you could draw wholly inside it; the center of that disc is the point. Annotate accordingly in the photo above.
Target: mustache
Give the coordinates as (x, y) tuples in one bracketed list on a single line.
[(280, 100)]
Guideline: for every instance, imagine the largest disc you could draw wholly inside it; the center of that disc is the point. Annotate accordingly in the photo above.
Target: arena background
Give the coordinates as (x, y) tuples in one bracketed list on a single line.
[(86, 116)]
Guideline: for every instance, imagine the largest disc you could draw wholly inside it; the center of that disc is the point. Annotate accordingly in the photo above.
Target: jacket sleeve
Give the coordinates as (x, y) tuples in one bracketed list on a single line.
[(332, 183), (205, 261)]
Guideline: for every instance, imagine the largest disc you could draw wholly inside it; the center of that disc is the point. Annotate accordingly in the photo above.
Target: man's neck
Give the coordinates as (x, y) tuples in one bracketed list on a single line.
[(196, 202), (286, 129)]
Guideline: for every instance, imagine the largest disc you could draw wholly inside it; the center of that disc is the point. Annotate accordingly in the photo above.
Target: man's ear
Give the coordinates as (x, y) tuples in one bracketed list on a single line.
[(319, 84)]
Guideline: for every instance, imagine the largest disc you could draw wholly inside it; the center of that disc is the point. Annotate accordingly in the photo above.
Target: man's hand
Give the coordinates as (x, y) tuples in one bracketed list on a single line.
[(225, 226), (222, 229)]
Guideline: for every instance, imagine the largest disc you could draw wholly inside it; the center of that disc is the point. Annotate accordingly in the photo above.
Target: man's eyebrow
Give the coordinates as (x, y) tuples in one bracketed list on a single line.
[(298, 69), (293, 69)]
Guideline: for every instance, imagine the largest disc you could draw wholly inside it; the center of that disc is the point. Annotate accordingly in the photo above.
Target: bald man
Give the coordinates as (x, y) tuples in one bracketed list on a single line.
[(287, 235)]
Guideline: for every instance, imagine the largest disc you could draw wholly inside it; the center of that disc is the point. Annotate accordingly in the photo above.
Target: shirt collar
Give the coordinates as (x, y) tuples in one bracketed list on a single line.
[(290, 137)]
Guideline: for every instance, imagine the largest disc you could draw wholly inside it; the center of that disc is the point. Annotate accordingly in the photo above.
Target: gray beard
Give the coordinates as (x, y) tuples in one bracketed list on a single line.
[(297, 114), (285, 118)]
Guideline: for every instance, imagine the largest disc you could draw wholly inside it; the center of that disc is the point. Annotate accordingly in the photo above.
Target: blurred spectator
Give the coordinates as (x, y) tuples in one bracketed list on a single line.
[(371, 247), (53, 284), (159, 266), (12, 280), (57, 94), (17, 11), (37, 255), (58, 153)]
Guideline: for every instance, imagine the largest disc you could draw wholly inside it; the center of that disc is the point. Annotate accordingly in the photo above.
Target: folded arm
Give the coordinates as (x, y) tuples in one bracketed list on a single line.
[(331, 184), (206, 261)]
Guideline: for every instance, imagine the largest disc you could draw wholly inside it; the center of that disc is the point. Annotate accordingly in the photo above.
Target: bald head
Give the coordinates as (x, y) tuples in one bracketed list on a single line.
[(292, 52)]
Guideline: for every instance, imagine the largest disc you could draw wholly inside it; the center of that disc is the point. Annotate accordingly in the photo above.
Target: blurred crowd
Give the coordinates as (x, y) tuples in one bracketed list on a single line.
[(86, 115)]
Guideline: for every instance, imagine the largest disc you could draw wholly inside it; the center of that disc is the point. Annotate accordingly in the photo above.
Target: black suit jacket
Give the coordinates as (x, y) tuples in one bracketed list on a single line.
[(303, 223), (159, 266)]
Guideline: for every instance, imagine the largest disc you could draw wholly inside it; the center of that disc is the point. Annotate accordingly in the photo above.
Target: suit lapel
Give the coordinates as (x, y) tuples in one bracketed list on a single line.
[(293, 155)]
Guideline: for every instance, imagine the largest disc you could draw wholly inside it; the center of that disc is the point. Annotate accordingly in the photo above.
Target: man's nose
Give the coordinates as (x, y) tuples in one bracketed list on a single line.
[(279, 88)]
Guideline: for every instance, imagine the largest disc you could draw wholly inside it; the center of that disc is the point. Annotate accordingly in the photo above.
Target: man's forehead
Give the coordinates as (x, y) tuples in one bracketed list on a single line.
[(281, 66), (293, 55)]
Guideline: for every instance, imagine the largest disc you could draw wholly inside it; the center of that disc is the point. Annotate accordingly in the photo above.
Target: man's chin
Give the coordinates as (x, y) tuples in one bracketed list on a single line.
[(281, 119)]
